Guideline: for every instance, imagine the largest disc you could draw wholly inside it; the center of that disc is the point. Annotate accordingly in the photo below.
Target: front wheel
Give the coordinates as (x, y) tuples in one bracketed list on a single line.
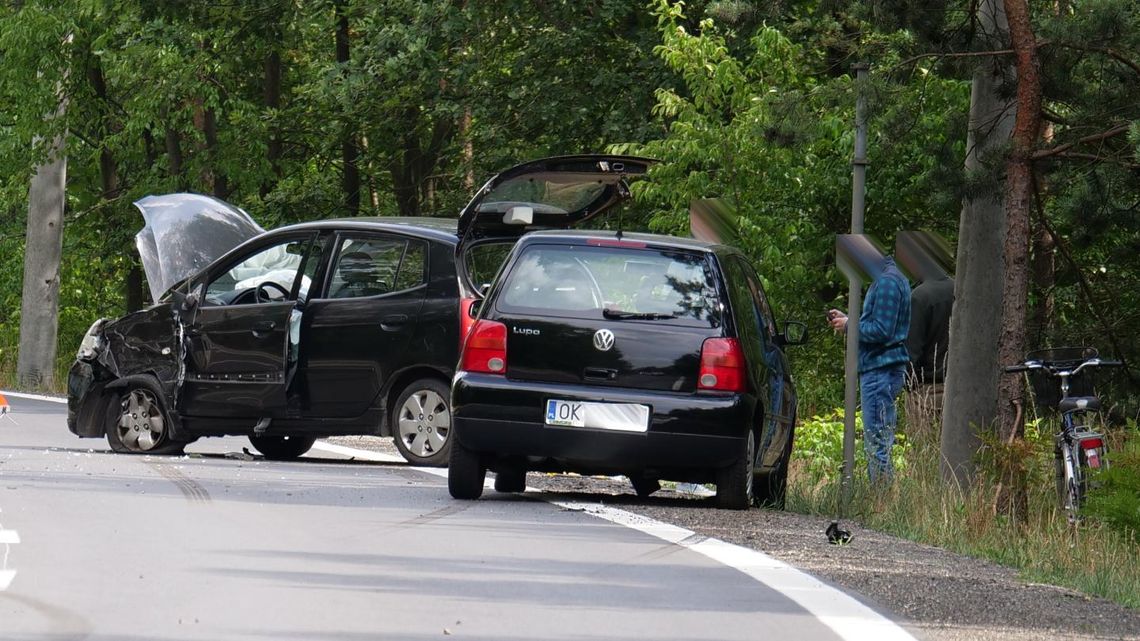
[(139, 424), (282, 448), (772, 488), (734, 483), (421, 423)]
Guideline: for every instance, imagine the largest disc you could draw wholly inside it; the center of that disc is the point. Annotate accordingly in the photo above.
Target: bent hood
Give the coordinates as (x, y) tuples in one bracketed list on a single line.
[(183, 233)]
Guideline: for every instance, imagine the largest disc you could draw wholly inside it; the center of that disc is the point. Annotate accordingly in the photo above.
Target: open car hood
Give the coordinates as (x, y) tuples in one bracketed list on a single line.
[(552, 193), (183, 233)]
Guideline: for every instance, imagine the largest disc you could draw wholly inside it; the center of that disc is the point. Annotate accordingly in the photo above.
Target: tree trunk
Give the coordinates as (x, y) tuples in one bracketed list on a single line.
[(468, 151), (971, 365), (273, 74), (174, 158), (215, 177), (349, 149), (1018, 204), (1044, 282), (39, 305)]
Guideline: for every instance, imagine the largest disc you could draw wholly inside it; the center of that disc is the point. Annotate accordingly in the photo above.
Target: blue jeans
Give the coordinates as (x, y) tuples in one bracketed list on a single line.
[(878, 389)]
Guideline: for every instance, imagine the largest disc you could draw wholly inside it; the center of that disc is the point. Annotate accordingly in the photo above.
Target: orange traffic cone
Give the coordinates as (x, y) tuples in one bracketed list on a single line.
[(4, 407)]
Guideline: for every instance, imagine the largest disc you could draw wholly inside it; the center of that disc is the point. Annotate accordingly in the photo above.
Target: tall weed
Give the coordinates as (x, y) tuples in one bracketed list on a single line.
[(1098, 556)]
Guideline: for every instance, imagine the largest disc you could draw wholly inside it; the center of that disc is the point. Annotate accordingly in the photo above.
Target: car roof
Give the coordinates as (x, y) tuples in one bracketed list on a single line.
[(657, 240), (441, 229)]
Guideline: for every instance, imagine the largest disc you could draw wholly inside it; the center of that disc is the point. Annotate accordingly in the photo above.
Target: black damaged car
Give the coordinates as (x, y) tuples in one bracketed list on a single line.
[(325, 328), (649, 356)]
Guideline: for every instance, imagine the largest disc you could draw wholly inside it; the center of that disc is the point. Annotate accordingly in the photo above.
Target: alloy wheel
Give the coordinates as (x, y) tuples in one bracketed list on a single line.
[(424, 422), (141, 426)]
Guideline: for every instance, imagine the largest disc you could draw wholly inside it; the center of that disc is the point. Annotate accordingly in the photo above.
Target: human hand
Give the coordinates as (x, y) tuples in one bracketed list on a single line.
[(837, 320)]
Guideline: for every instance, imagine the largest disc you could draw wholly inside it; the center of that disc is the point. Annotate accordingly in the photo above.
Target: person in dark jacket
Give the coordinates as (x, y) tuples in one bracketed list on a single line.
[(883, 327), (926, 257)]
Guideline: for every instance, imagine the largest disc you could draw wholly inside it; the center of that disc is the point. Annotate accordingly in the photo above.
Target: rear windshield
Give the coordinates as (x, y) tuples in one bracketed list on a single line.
[(612, 283)]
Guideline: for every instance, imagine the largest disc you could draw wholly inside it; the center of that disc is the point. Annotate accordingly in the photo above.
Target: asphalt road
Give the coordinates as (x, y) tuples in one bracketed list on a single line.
[(217, 545)]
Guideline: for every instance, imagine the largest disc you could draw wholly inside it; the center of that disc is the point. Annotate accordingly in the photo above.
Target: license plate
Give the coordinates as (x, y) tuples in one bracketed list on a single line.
[(622, 417)]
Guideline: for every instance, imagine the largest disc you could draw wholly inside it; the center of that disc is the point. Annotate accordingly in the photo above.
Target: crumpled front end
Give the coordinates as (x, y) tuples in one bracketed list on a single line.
[(93, 368)]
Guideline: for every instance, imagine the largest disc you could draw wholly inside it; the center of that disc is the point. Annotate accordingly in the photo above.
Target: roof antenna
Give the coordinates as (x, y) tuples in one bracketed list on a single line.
[(621, 212)]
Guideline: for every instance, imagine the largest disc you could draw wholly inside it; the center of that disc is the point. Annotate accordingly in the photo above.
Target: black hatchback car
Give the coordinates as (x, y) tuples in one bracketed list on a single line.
[(325, 328), (649, 356)]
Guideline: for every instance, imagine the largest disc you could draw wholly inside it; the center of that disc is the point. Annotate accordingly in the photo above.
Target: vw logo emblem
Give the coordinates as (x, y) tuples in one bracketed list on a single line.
[(603, 339)]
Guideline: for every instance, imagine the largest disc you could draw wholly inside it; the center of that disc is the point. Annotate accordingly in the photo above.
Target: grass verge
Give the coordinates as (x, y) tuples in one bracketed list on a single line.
[(1090, 557)]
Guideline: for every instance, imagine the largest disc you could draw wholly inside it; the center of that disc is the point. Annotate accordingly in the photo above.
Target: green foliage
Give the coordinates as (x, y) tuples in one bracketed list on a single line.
[(819, 447), (763, 126), (1115, 497)]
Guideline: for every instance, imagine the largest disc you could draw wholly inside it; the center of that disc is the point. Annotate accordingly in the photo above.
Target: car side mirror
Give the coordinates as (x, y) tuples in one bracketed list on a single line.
[(795, 333), (188, 302), (473, 308)]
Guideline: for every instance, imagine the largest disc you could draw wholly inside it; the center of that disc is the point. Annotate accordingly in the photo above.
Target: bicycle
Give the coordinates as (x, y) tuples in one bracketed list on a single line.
[(1077, 448)]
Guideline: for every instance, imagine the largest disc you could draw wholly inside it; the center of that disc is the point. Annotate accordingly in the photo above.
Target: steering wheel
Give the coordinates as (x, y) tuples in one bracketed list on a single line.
[(262, 294)]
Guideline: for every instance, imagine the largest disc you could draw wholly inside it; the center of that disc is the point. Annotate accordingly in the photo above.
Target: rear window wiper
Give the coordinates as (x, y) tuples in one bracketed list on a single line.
[(624, 315)]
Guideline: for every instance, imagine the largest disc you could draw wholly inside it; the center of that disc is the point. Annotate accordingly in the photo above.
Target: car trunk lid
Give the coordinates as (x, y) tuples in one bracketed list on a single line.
[(551, 193)]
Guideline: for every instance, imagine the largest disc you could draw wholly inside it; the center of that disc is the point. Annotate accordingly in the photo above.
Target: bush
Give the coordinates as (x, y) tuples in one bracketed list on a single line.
[(1115, 496), (819, 446)]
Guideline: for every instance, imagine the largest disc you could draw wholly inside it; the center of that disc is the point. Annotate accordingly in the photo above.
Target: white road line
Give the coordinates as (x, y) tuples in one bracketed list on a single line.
[(8, 538), (34, 397), (850, 619), (365, 455)]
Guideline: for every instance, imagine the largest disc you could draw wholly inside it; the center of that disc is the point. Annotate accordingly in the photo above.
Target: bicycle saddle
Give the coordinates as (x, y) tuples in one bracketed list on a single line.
[(1074, 403)]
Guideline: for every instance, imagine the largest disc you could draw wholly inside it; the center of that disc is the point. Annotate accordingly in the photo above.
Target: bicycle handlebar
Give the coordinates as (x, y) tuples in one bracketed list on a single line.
[(1055, 370)]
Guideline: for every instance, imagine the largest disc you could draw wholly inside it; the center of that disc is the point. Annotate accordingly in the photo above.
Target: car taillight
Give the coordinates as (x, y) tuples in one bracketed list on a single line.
[(722, 365), (466, 321), (486, 348)]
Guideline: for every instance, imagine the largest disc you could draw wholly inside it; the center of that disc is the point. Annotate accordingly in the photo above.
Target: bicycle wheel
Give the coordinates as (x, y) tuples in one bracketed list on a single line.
[(1069, 488)]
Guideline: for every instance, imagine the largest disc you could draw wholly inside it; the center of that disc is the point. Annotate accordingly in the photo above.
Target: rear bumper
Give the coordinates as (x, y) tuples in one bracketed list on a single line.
[(501, 418)]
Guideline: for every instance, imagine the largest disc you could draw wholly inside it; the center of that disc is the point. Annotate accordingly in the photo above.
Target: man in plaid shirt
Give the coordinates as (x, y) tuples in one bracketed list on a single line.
[(883, 358)]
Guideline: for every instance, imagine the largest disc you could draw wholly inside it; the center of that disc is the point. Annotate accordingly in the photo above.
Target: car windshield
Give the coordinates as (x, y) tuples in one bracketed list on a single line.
[(615, 283)]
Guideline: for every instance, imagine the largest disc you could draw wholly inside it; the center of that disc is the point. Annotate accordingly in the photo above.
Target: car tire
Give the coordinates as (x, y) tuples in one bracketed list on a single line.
[(282, 447), (644, 486), (465, 473), (771, 489), (510, 480), (138, 423), (734, 483), (421, 423)]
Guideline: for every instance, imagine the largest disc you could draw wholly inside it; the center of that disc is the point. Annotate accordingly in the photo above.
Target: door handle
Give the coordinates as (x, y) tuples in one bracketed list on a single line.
[(393, 322), (264, 326)]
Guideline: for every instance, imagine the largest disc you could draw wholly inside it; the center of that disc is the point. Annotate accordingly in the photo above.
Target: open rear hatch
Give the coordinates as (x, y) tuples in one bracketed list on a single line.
[(551, 193)]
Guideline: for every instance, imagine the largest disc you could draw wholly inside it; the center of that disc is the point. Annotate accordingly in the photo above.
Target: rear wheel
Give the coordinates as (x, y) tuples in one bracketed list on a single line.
[(465, 473), (282, 448), (734, 483), (510, 480), (644, 486), (421, 422), (138, 424)]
